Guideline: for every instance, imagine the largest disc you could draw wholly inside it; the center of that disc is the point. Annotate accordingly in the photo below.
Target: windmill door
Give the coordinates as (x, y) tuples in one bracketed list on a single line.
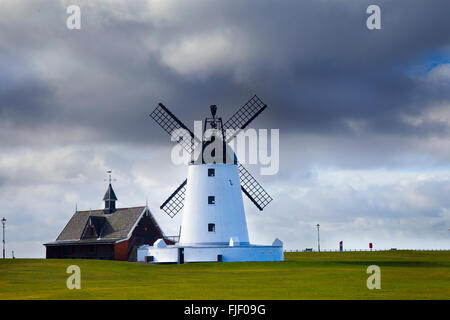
[(181, 255)]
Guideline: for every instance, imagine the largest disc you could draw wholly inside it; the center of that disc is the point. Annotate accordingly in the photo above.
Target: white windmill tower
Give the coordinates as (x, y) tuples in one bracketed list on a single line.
[(214, 226)]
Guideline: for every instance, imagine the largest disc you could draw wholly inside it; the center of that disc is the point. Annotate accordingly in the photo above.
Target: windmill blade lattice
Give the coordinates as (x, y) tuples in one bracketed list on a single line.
[(175, 202), (252, 189), (169, 122), (242, 118)]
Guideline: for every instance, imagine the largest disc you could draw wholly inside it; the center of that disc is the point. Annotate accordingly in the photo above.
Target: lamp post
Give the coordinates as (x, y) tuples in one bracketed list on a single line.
[(3, 222), (318, 238)]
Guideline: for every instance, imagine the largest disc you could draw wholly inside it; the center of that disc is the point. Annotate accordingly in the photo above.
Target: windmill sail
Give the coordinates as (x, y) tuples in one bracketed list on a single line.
[(169, 122), (175, 202), (242, 118), (252, 189)]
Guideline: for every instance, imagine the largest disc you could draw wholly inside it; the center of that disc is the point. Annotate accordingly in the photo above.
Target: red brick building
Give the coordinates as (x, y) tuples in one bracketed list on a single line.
[(111, 233)]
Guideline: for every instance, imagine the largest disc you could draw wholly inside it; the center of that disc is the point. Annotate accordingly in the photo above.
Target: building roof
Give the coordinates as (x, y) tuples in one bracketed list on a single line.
[(110, 194), (110, 227)]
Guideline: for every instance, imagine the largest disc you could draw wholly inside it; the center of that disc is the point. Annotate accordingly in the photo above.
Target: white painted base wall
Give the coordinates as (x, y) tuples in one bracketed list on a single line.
[(161, 255), (210, 253)]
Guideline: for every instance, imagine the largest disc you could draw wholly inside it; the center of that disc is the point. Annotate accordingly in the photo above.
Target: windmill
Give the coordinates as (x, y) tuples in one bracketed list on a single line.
[(239, 121), (211, 196)]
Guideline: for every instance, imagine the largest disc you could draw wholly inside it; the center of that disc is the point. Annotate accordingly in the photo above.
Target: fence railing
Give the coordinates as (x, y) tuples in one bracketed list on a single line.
[(361, 250)]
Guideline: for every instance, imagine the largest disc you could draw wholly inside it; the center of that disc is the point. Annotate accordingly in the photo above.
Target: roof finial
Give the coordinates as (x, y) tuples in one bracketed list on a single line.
[(110, 196)]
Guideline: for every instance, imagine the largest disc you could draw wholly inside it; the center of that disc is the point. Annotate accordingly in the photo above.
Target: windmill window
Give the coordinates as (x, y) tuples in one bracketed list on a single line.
[(211, 200), (211, 172), (211, 227)]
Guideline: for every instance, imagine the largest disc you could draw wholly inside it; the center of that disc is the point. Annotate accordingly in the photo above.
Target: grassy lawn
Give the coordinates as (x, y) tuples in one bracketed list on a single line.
[(404, 275)]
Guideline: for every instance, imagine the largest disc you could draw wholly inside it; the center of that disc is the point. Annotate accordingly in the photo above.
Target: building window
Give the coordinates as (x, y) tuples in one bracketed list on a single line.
[(211, 200), (211, 172), (211, 227)]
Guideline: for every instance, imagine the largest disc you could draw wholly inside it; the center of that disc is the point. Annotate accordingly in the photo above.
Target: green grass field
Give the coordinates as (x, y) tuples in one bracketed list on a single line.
[(404, 275)]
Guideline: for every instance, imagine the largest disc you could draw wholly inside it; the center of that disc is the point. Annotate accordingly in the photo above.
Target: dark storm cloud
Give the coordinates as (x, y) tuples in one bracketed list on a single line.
[(314, 62)]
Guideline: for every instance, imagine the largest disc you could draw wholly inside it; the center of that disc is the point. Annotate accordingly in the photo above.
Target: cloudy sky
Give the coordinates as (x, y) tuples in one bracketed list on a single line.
[(364, 115)]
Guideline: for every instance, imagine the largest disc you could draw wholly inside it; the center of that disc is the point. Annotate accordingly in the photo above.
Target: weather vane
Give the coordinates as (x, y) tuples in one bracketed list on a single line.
[(109, 172)]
